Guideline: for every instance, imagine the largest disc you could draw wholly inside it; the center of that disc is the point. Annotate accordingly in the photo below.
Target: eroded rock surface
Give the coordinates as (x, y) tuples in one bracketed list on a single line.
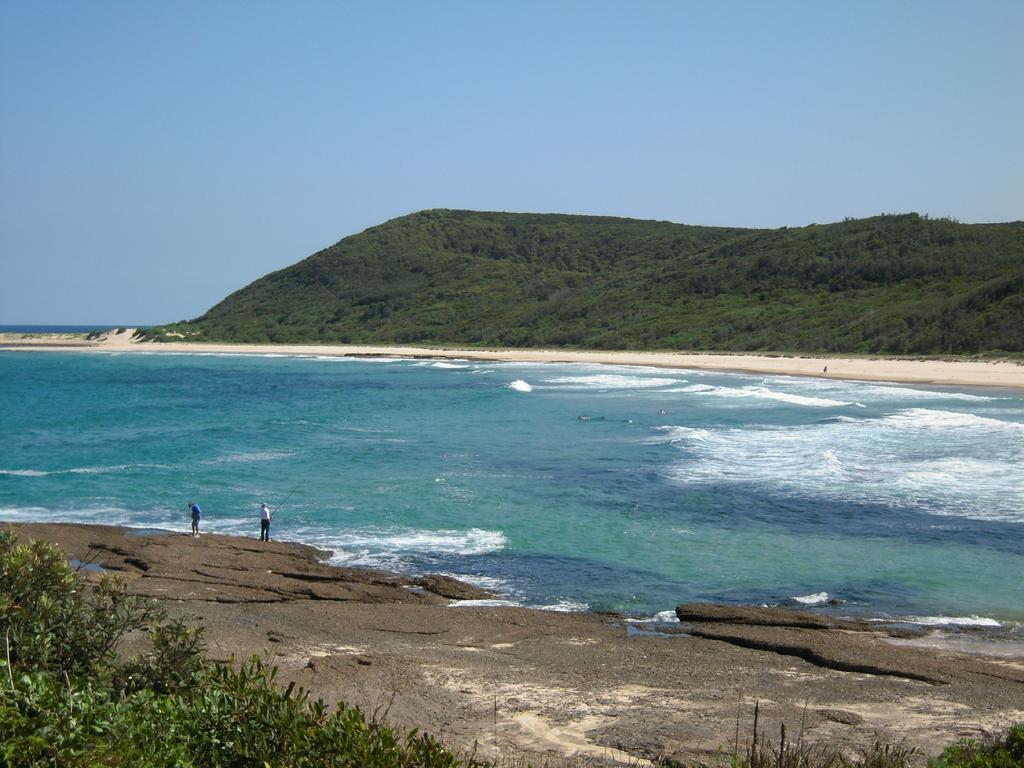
[(515, 681)]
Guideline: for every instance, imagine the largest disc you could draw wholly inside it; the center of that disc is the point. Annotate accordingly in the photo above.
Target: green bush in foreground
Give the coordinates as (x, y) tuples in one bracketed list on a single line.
[(68, 699), (1005, 752)]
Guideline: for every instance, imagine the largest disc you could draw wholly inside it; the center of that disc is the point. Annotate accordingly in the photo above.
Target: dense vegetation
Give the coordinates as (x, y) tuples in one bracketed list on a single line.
[(68, 699), (892, 284)]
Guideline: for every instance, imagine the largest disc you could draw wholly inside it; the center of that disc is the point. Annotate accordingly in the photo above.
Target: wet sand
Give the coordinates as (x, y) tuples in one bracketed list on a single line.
[(516, 681), (997, 373)]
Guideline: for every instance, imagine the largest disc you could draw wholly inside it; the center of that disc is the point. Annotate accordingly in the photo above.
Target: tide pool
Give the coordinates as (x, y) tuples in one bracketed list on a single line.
[(561, 486)]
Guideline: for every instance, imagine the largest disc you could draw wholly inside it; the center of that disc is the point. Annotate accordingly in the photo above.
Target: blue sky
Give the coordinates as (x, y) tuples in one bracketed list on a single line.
[(156, 156)]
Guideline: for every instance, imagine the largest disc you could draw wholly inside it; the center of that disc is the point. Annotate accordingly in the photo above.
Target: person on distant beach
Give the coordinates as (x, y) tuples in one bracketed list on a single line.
[(196, 514), (265, 517), (824, 371)]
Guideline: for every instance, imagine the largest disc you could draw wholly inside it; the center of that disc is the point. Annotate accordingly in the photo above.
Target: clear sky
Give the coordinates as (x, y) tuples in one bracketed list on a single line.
[(155, 156)]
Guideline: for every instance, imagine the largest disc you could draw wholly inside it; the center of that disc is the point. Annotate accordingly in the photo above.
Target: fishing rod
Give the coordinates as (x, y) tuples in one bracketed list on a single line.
[(286, 498)]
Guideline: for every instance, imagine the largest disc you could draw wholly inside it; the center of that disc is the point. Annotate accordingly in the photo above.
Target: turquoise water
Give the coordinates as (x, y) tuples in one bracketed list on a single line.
[(677, 485)]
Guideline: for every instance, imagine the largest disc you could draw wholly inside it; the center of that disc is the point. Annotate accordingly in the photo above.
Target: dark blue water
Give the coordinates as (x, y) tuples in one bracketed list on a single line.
[(565, 486)]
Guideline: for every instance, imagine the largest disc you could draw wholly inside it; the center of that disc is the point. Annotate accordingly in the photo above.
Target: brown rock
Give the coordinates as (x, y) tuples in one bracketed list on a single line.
[(753, 615), (520, 682), (453, 589), (840, 716)]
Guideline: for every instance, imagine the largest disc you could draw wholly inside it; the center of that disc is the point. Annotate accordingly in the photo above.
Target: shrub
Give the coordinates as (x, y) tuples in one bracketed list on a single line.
[(761, 752), (50, 622), (1006, 751)]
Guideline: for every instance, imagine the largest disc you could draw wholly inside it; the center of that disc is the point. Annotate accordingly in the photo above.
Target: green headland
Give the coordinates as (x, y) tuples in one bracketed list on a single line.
[(891, 284)]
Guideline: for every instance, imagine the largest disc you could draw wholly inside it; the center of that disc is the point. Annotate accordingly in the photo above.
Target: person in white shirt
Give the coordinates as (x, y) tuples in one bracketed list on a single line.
[(265, 517)]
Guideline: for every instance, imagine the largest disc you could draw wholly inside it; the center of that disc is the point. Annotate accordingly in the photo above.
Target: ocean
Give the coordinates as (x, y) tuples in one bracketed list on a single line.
[(562, 486)]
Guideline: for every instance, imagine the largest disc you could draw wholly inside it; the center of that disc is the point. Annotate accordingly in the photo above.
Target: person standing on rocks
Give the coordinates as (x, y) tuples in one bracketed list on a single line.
[(265, 517), (196, 514)]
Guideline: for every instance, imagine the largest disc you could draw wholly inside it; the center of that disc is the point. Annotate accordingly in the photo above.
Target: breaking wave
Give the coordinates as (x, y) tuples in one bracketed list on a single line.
[(244, 458), (816, 599), (400, 547), (952, 621), (565, 606), (926, 418), (81, 470), (661, 617), (763, 393), (973, 471), (612, 381)]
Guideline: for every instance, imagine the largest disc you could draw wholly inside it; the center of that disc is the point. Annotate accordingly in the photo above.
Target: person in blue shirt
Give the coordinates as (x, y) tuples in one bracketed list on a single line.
[(196, 514)]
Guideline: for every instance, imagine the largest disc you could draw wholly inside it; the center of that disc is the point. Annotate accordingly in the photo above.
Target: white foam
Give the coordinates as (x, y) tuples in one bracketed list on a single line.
[(373, 359), (661, 617), (816, 599), (691, 389), (565, 606), (612, 381), (166, 519), (81, 470), (943, 462), (874, 392), (926, 418), (832, 461), (27, 513), (949, 474), (448, 365), (242, 458), (492, 603), (928, 394), (763, 393), (676, 434), (475, 541), (520, 386), (952, 621), (493, 583), (111, 468)]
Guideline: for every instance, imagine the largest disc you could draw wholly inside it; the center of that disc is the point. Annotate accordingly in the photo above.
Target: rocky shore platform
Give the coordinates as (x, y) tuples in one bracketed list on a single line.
[(515, 682)]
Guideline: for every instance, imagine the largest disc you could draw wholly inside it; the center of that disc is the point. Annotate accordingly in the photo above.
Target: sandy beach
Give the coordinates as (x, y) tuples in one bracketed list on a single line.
[(1000, 373), (541, 684)]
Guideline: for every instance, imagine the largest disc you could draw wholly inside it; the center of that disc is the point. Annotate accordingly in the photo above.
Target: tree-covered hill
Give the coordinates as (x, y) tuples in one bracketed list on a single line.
[(892, 284)]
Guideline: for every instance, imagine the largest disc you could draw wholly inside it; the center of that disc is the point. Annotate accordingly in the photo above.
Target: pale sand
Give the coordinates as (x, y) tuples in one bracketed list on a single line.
[(1001, 373)]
